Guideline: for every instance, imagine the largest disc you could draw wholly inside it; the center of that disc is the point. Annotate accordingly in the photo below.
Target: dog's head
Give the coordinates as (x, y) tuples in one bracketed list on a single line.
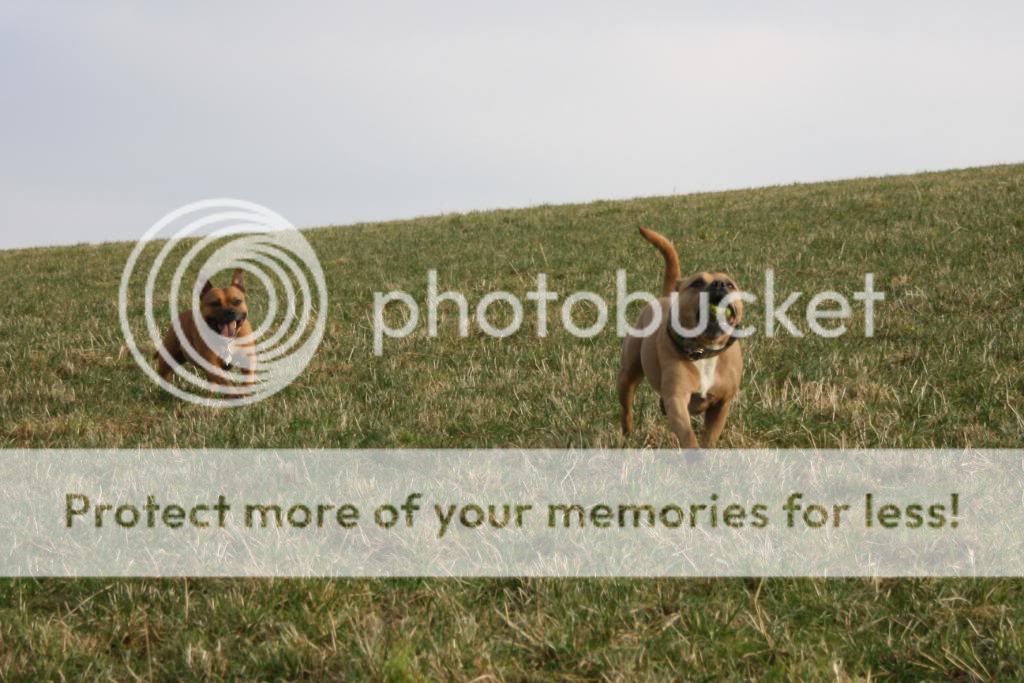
[(718, 294), (224, 308)]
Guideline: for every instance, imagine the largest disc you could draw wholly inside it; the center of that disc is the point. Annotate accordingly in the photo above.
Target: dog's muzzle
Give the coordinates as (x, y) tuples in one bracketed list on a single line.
[(717, 291)]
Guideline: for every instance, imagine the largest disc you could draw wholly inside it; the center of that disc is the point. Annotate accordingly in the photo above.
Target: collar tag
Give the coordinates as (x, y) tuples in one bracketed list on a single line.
[(228, 357)]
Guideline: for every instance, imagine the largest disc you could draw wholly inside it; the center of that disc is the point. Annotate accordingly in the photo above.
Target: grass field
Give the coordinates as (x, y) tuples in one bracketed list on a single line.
[(945, 368)]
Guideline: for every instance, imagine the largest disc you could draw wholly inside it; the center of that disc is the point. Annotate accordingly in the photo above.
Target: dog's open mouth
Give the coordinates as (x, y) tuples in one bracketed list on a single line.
[(226, 328)]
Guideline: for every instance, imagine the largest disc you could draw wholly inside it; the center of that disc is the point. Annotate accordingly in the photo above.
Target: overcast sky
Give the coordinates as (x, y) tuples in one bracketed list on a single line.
[(114, 114)]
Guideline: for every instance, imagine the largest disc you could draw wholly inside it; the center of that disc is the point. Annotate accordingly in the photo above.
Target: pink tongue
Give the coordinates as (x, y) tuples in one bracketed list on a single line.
[(228, 329)]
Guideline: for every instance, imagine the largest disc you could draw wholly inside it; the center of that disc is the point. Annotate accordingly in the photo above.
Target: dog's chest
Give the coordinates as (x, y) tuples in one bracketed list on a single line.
[(706, 369), (225, 351)]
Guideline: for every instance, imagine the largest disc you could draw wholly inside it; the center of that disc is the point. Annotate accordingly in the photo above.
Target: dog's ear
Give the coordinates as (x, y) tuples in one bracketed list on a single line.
[(237, 279), (206, 288)]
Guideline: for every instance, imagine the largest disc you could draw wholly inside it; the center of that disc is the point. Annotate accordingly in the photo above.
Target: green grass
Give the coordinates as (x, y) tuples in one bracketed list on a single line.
[(946, 368)]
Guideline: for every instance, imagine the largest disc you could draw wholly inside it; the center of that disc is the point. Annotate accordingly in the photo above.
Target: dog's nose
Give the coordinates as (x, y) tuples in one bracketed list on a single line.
[(717, 289)]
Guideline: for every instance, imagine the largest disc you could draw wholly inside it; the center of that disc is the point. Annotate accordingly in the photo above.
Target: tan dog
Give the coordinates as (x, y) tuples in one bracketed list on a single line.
[(227, 344), (693, 375)]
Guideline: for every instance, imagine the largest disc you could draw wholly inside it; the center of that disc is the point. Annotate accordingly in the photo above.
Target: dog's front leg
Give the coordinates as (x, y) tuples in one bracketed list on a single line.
[(678, 412), (714, 422), (249, 366), (218, 377)]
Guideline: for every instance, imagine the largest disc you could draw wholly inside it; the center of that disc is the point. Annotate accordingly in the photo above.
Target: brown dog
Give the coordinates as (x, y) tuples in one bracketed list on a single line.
[(227, 341), (692, 374)]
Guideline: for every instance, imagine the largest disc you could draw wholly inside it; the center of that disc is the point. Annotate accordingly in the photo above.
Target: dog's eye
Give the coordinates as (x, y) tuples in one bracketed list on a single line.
[(215, 303), (729, 285), (699, 283), (236, 302)]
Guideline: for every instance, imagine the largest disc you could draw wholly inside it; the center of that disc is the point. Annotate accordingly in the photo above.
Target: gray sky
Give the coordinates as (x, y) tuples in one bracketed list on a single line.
[(115, 113)]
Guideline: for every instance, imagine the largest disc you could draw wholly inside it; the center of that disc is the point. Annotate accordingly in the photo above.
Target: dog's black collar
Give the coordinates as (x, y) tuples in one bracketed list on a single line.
[(692, 350)]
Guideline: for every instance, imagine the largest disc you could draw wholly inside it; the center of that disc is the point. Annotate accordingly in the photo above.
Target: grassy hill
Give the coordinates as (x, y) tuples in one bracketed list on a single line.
[(945, 368)]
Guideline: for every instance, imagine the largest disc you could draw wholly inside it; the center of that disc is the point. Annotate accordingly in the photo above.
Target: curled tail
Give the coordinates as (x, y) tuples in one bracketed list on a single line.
[(671, 258)]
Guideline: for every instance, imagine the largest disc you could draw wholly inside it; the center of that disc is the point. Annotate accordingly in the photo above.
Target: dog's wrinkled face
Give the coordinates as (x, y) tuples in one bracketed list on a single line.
[(224, 308), (708, 290)]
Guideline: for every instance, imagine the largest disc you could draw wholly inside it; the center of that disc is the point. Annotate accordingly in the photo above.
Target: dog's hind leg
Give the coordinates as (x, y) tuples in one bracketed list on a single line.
[(172, 347), (629, 378), (631, 373)]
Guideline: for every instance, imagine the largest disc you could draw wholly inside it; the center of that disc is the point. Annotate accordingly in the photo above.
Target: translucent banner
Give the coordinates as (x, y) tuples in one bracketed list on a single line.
[(559, 513)]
